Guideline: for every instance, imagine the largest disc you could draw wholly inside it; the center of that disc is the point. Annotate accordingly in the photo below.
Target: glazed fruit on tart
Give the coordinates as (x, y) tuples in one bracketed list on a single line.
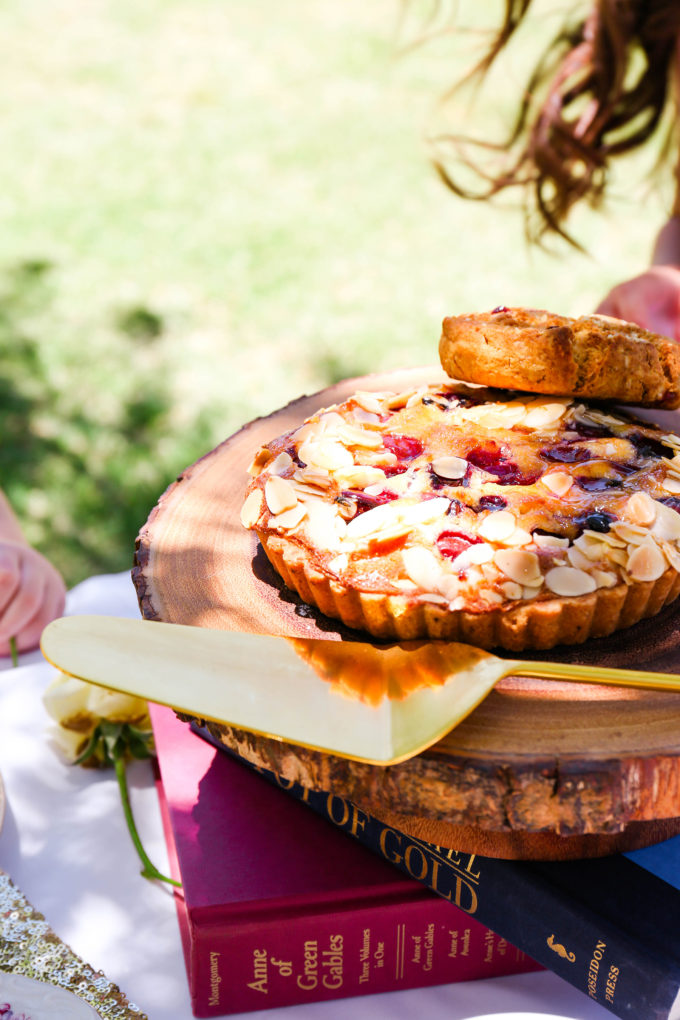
[(498, 518)]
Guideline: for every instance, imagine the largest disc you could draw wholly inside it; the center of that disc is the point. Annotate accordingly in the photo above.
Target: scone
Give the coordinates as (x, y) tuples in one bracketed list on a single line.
[(593, 357), (500, 519)]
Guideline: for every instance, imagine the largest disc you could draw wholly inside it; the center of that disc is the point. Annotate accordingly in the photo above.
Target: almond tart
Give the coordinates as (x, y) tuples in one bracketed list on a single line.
[(498, 518)]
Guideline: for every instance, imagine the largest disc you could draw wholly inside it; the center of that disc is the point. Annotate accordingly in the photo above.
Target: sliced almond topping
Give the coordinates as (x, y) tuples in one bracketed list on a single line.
[(492, 597), (394, 401), (353, 436), (519, 537), (280, 494), (569, 581), (252, 508), (518, 564), (363, 417), (667, 523), (474, 555), (425, 511), (646, 562), (672, 555), (540, 401), (434, 597), (618, 556), (422, 567), (449, 467), (310, 430), (591, 414), (530, 591), (339, 563), (543, 416), (473, 578), (633, 534), (492, 419), (416, 397), (378, 458), (375, 490), (449, 585), (578, 559), (289, 519), (559, 482), (308, 494), (398, 483), (606, 537), (589, 544), (497, 526), (325, 453), (641, 508), (360, 476), (281, 464), (504, 415), (330, 421), (512, 590), (671, 484), (324, 526), (313, 476), (490, 571), (405, 584), (550, 541), (383, 516), (604, 579)]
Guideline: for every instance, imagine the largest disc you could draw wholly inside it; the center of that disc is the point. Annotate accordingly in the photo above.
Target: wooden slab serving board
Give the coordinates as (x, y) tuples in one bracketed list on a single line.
[(539, 770)]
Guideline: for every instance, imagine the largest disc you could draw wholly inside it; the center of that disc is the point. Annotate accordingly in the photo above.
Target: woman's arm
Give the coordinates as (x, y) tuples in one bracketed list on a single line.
[(652, 299), (32, 591), (10, 529)]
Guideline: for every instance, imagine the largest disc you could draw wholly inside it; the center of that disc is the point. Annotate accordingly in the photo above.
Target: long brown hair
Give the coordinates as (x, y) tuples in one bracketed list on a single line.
[(585, 103)]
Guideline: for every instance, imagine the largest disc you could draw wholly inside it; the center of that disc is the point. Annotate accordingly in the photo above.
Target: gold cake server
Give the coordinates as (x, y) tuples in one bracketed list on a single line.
[(380, 704)]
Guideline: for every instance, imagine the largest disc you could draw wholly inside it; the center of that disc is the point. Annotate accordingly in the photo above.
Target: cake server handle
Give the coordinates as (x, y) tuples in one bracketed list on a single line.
[(607, 675)]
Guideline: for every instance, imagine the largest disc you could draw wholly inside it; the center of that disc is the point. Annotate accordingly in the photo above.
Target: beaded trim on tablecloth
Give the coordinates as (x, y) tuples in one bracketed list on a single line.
[(29, 946)]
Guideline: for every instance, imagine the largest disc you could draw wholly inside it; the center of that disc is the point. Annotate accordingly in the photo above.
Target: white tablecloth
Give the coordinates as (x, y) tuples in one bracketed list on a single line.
[(65, 845)]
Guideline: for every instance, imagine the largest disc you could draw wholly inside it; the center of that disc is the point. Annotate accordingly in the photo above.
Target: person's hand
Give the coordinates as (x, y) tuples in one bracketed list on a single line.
[(651, 300), (32, 593)]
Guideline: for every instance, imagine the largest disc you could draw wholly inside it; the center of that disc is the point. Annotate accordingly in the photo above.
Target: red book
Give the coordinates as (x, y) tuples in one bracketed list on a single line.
[(279, 908)]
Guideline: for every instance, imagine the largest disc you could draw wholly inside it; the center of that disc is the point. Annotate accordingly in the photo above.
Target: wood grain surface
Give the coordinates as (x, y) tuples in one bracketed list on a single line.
[(540, 769)]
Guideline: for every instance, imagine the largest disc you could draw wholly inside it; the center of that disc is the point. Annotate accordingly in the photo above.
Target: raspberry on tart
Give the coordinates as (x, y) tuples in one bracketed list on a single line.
[(500, 518)]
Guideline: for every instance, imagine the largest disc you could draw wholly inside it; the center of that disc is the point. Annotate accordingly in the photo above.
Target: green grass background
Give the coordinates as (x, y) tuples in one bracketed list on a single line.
[(208, 208)]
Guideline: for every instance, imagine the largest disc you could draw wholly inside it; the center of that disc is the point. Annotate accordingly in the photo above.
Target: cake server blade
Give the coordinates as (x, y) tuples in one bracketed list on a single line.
[(380, 704)]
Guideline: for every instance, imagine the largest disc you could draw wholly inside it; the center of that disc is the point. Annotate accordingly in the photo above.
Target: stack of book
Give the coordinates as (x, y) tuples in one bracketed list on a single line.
[(277, 907)]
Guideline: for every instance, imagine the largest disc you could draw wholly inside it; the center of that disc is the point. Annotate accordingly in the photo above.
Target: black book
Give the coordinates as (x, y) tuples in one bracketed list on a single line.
[(609, 926)]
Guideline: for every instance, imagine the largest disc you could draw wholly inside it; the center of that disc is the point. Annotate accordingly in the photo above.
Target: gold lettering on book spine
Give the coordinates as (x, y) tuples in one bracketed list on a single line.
[(558, 948)]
